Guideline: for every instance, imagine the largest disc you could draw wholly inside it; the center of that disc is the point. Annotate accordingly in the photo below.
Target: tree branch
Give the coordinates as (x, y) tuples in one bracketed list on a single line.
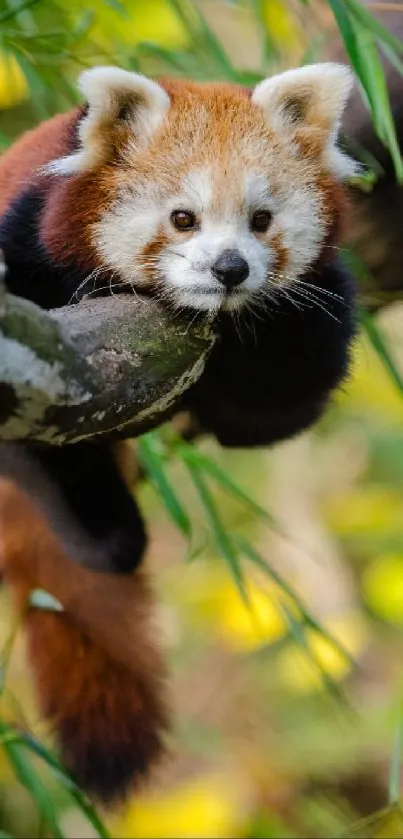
[(110, 366)]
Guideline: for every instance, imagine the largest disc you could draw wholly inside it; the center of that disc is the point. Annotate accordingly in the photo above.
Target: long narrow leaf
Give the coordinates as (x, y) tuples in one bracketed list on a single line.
[(5, 654), (28, 742), (152, 464), (199, 31), (76, 793), (29, 779), (361, 45), (309, 620), (270, 51), (374, 82), (385, 824), (375, 335), (298, 632), (11, 14), (372, 23), (223, 541), (176, 447), (198, 459)]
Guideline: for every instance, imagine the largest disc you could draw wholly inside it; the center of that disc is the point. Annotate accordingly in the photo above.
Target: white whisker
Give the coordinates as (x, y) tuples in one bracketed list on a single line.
[(313, 299), (321, 290)]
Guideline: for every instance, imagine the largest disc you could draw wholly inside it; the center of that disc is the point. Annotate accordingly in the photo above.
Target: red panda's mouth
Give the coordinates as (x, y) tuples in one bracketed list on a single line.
[(210, 298)]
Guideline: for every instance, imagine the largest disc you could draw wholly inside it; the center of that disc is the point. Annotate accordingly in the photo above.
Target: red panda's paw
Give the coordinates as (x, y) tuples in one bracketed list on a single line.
[(109, 720)]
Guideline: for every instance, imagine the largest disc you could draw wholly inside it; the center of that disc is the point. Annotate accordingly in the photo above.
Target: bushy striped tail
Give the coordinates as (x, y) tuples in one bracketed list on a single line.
[(97, 667)]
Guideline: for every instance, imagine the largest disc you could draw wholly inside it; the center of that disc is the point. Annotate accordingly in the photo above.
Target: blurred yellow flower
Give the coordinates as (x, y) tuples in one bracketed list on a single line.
[(155, 21), (13, 84), (282, 24), (366, 510), (151, 21), (199, 591), (205, 807), (300, 670), (210, 597), (245, 627), (382, 584)]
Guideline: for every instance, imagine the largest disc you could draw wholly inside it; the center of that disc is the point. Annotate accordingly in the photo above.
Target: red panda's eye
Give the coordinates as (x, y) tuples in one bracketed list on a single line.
[(183, 219), (261, 221)]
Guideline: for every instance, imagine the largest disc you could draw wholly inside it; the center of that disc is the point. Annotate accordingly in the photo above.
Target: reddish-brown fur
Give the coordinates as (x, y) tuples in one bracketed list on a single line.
[(336, 206), (98, 670), (19, 164)]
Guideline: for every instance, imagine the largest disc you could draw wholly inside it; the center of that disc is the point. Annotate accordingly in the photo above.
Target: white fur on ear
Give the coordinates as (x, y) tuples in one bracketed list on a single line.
[(313, 97), (114, 97)]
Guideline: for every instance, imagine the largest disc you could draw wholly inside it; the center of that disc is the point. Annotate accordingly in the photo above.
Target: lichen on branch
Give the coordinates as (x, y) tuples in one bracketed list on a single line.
[(110, 366)]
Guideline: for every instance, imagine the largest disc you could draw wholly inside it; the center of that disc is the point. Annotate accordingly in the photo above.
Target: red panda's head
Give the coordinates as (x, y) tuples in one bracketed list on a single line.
[(206, 193)]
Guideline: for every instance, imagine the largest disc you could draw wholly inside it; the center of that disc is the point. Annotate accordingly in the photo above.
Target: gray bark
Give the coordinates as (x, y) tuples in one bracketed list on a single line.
[(111, 366)]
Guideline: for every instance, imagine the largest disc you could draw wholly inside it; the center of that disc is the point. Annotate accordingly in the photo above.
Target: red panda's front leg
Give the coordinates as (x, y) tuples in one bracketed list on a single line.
[(271, 375)]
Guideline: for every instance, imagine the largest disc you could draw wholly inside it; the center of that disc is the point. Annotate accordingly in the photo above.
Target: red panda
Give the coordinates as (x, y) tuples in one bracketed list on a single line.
[(213, 198)]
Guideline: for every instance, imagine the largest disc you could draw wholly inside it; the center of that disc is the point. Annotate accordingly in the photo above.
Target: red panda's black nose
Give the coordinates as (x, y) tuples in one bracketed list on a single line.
[(231, 268)]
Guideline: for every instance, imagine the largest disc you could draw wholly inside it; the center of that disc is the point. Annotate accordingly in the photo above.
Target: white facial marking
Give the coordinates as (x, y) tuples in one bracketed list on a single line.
[(301, 224), (184, 262), (125, 231), (223, 224)]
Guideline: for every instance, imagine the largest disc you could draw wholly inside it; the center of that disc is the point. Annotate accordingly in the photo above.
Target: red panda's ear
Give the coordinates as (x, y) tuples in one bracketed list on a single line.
[(307, 104), (118, 102)]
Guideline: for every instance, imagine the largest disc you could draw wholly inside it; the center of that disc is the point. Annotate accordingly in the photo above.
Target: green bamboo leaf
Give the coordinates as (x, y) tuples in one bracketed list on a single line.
[(371, 23), (393, 57), (12, 13), (152, 463), (36, 84), (362, 154), (376, 337), (361, 46), (186, 13), (385, 824), (374, 82), (346, 30), (83, 25), (118, 6), (298, 632), (5, 654), (178, 62), (222, 540), (308, 619), (64, 778), (216, 50), (201, 461), (199, 31), (270, 50), (180, 449), (29, 779)]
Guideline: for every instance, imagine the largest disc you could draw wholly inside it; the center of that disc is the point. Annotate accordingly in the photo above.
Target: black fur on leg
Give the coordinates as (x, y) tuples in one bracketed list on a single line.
[(271, 376)]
